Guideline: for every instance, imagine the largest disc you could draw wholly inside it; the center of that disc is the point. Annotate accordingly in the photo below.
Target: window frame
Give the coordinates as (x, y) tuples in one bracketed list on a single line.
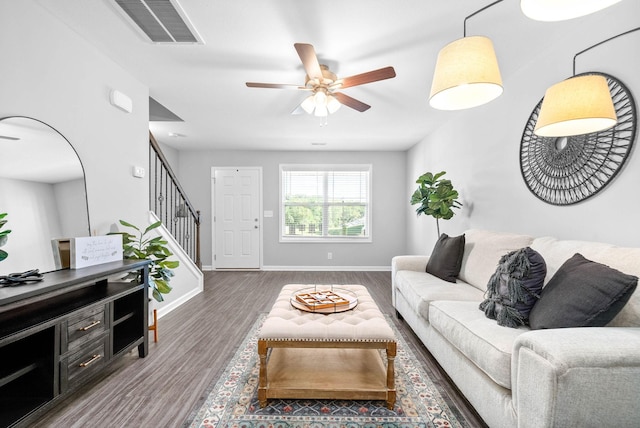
[(366, 167)]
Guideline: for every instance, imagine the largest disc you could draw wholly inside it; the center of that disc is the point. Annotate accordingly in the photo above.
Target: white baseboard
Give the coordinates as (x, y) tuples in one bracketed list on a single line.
[(313, 268), (189, 280), (165, 309), (329, 268)]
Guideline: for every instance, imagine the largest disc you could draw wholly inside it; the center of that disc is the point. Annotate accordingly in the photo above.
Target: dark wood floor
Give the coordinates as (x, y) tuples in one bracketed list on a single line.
[(197, 340)]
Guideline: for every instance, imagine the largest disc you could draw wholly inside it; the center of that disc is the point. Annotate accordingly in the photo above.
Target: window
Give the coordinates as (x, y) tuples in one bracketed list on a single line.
[(325, 203)]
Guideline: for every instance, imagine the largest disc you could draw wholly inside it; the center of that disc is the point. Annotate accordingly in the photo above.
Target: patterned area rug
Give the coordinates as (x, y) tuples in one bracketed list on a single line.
[(233, 400)]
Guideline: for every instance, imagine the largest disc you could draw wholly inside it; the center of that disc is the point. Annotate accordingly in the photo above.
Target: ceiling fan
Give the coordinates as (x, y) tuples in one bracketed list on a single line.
[(323, 84)]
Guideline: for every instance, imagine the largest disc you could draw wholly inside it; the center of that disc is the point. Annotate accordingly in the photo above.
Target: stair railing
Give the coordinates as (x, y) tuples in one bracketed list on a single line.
[(168, 200)]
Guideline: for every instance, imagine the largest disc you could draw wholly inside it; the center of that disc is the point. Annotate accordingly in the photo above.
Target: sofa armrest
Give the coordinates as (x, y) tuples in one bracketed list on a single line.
[(577, 377), (398, 263), (414, 263)]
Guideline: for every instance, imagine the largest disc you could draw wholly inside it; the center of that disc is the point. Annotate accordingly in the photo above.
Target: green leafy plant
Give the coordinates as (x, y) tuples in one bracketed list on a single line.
[(3, 236), (436, 197), (138, 246)]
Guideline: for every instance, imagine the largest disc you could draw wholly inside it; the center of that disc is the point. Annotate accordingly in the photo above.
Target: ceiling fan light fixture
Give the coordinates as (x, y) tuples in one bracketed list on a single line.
[(466, 75), (308, 104), (576, 106), (320, 100), (333, 104), (321, 111), (322, 83), (561, 10)]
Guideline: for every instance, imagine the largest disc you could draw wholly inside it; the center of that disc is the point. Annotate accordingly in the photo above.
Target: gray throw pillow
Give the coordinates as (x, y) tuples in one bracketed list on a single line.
[(446, 258), (515, 287), (582, 293)]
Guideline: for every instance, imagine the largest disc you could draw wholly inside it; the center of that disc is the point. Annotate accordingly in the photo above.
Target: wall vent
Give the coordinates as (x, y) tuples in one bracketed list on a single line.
[(161, 21)]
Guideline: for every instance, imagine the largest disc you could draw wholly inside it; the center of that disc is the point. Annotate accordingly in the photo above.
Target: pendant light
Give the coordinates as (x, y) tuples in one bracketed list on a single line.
[(560, 10), (467, 73), (576, 106), (579, 105)]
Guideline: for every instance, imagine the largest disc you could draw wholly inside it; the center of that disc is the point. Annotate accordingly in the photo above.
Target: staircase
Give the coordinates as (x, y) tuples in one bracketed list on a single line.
[(180, 228), (169, 202)]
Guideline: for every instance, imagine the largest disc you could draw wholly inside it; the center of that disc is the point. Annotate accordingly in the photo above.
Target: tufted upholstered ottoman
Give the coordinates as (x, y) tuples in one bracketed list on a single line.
[(335, 356)]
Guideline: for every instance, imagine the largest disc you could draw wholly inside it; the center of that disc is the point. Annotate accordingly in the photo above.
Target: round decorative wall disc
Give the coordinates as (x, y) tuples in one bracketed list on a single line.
[(567, 170)]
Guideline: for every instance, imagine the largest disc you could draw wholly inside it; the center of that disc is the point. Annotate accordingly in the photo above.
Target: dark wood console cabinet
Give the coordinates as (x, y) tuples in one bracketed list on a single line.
[(58, 333)]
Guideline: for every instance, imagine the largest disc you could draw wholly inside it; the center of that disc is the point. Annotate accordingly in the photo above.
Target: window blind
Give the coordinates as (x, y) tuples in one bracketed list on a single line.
[(325, 202)]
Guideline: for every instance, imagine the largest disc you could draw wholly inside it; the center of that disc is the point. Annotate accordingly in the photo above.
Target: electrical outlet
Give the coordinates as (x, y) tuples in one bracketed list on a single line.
[(329, 256)]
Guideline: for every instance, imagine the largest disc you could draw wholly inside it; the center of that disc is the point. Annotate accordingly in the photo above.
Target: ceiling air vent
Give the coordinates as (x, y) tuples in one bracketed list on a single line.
[(162, 21)]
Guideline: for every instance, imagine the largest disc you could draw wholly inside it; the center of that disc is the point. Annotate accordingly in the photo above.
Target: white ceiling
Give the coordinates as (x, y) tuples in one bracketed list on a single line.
[(249, 40)]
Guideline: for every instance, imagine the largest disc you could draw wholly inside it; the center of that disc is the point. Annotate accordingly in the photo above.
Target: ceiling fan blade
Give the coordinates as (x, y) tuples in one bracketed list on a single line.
[(368, 77), (307, 55), (351, 102), (274, 85)]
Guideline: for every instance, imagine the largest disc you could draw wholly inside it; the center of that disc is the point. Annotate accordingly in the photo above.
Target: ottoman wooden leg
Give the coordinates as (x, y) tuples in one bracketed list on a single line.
[(391, 375), (262, 385)]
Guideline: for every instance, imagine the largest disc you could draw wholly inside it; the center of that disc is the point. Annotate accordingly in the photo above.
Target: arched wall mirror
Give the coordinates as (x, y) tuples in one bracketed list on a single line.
[(43, 192)]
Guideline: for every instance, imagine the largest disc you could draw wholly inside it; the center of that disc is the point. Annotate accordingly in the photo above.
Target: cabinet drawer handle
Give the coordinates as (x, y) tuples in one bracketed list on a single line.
[(90, 326), (91, 361)]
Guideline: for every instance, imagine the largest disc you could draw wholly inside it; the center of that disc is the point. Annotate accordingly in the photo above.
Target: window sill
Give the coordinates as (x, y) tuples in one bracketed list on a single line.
[(337, 240)]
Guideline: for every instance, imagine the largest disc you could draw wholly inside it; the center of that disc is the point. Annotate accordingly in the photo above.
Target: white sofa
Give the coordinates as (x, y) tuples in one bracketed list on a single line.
[(568, 377)]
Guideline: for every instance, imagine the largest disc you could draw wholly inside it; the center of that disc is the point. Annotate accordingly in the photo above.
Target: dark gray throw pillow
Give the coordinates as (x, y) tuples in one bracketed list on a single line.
[(446, 258), (582, 293), (515, 287)]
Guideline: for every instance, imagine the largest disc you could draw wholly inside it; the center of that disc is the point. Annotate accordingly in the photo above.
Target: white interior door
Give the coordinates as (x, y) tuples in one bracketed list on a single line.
[(236, 220)]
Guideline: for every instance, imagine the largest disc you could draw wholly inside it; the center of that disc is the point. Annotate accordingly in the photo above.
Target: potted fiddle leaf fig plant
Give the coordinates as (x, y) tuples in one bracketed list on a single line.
[(138, 246), (3, 236), (436, 197)]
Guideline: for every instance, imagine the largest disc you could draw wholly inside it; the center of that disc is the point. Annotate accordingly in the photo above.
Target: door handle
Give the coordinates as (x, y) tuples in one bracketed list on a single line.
[(255, 227)]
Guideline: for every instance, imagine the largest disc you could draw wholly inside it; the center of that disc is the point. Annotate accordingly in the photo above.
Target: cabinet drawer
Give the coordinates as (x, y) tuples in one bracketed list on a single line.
[(85, 326), (85, 362)]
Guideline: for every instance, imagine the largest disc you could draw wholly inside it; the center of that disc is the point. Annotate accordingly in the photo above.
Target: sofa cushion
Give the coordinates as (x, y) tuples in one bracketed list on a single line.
[(420, 288), (482, 252), (446, 257), (480, 339), (582, 293), (514, 287), (627, 260)]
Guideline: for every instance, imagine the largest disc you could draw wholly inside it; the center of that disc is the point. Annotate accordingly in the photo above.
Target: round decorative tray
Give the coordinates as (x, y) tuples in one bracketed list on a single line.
[(324, 299)]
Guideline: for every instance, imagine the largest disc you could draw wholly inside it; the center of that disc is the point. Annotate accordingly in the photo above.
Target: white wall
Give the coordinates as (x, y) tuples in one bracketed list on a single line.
[(479, 148), (388, 206), (53, 75)]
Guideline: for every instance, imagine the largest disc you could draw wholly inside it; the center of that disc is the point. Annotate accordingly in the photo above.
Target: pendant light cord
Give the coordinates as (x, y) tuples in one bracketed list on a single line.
[(475, 13), (598, 44)]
